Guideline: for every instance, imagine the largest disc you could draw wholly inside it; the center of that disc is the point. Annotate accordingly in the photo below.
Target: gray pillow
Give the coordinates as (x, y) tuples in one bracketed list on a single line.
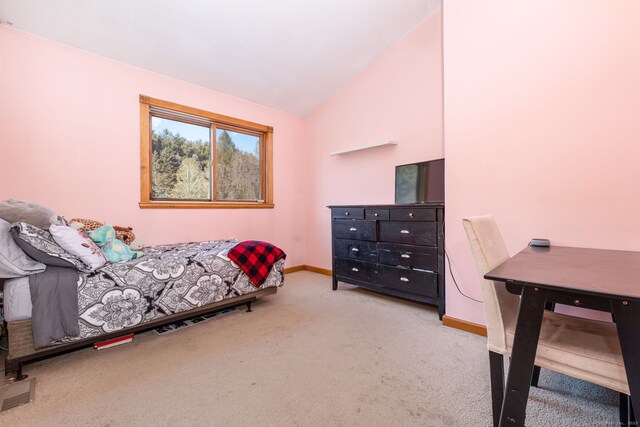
[(39, 245), (20, 211), (13, 261)]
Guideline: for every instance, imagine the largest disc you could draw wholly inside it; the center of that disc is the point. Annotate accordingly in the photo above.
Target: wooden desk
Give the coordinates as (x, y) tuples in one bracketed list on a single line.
[(604, 280)]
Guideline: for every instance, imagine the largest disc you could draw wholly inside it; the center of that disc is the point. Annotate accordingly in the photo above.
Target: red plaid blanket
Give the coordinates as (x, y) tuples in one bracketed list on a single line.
[(256, 258)]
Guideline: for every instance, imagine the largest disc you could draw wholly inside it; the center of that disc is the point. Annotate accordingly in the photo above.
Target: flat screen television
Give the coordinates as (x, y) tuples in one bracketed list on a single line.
[(420, 182)]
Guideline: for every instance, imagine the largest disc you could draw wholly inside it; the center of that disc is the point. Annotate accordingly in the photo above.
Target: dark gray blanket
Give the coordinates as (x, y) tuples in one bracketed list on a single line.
[(54, 295)]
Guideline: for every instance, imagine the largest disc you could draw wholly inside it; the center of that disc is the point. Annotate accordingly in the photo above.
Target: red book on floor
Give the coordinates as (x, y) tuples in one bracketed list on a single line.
[(114, 342)]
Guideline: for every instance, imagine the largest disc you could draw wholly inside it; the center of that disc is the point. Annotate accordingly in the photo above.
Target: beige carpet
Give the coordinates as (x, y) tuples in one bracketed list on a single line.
[(306, 356)]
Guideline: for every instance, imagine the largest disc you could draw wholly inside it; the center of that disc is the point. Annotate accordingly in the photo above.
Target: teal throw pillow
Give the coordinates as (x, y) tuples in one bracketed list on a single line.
[(115, 250)]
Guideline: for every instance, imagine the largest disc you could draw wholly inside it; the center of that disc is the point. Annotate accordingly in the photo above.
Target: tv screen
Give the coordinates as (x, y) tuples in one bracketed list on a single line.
[(420, 182)]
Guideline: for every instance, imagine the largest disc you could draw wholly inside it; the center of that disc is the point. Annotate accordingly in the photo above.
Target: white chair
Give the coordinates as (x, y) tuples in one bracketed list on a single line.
[(581, 348)]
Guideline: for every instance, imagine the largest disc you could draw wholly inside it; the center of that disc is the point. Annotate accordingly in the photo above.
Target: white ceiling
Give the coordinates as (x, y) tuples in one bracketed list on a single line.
[(288, 54)]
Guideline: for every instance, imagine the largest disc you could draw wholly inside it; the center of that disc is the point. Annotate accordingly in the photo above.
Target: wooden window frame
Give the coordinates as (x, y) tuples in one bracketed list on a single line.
[(224, 122)]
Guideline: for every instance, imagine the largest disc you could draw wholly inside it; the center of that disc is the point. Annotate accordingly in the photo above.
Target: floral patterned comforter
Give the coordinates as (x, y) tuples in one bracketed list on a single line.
[(166, 280)]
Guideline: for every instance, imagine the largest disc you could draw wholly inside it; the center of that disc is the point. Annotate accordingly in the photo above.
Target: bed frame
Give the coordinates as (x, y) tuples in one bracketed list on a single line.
[(21, 349)]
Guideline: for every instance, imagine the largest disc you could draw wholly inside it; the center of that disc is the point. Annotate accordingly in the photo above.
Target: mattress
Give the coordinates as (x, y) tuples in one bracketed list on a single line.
[(17, 299)]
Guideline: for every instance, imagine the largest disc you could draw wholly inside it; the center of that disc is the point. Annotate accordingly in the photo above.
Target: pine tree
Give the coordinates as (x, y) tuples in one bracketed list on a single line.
[(225, 152), (191, 181)]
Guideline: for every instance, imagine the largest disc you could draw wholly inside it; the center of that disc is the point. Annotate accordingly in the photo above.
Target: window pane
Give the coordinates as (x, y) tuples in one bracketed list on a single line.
[(180, 160), (237, 166)]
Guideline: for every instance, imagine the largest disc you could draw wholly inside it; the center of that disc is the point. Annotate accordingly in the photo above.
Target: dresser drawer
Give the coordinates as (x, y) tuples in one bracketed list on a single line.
[(374, 214), (416, 233), (355, 213), (356, 270), (412, 214), (354, 229), (356, 249), (420, 257), (405, 279)]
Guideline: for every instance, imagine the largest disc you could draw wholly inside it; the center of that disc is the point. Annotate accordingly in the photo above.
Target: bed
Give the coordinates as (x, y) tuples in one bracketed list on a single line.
[(167, 284)]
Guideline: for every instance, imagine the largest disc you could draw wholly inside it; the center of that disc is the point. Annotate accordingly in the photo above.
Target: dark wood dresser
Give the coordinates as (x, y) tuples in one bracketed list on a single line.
[(394, 249)]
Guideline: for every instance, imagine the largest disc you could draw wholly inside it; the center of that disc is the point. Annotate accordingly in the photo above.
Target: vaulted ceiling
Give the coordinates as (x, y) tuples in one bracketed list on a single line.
[(288, 54)]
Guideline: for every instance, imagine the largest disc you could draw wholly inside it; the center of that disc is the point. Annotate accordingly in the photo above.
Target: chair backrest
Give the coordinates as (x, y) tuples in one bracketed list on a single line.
[(489, 251)]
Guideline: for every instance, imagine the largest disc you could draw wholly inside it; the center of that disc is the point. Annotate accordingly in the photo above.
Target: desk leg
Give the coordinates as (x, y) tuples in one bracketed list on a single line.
[(523, 355), (628, 323)]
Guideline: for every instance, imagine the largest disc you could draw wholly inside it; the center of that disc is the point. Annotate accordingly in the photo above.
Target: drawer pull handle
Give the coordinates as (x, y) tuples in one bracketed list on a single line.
[(352, 229), (355, 250), (411, 214), (355, 269), (404, 231), (404, 279), (405, 256), (346, 213), (376, 214)]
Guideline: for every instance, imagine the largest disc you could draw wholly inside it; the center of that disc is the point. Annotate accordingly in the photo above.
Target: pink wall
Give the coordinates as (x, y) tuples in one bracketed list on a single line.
[(398, 97), (69, 125), (542, 121)]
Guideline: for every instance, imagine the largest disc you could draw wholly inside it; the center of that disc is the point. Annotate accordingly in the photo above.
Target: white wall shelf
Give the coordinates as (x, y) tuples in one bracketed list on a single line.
[(366, 147)]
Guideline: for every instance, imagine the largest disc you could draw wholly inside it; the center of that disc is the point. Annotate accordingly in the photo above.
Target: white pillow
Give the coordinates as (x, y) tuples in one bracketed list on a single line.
[(76, 243)]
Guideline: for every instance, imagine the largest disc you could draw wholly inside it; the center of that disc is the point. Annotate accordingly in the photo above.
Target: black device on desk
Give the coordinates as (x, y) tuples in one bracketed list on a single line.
[(540, 243)]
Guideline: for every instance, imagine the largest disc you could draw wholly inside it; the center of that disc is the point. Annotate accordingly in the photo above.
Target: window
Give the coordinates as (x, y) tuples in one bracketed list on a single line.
[(192, 158)]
